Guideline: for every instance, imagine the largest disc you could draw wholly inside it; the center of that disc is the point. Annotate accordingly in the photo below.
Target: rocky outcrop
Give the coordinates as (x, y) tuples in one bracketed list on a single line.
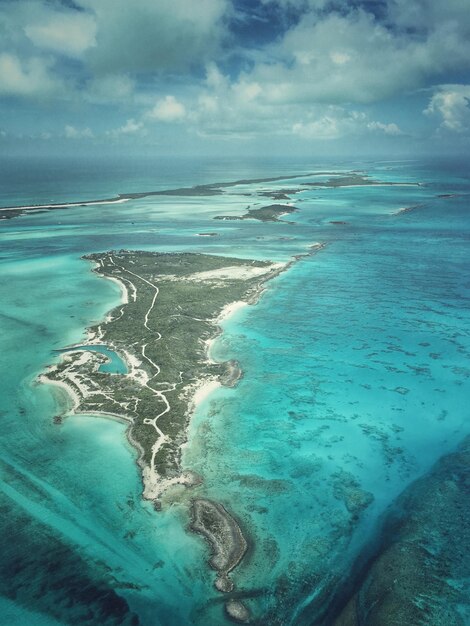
[(228, 546)]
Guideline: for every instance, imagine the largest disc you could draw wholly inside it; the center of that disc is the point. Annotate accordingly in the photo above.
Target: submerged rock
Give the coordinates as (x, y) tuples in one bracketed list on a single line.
[(347, 489), (237, 611)]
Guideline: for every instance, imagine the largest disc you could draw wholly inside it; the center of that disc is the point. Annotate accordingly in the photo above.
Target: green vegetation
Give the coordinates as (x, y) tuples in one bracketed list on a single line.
[(340, 179), (224, 536), (270, 213), (174, 301), (345, 181)]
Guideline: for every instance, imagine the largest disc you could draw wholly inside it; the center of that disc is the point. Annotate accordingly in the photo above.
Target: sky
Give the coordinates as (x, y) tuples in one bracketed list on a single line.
[(217, 77)]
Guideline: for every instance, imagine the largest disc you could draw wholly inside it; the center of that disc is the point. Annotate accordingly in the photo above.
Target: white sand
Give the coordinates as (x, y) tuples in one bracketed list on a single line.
[(229, 310), (63, 385), (155, 486), (122, 286), (203, 391), (135, 372), (242, 272), (63, 206), (209, 344)]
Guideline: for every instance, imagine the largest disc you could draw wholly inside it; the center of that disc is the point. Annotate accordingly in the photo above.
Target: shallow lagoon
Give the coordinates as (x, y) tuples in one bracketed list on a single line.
[(113, 364)]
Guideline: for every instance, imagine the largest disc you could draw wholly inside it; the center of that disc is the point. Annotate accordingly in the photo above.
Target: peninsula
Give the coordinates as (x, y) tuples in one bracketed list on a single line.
[(170, 311), (171, 307)]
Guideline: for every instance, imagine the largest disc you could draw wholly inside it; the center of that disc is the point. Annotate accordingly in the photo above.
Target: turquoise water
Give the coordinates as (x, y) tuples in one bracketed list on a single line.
[(113, 365), (356, 380)]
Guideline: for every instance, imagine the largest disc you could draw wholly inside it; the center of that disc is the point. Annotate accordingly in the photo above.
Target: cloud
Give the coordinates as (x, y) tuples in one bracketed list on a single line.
[(70, 132), (168, 109), (452, 104), (68, 33), (151, 36), (131, 127), (352, 57), (335, 123), (240, 109), (225, 108), (113, 44), (27, 77), (389, 129), (109, 88), (428, 15), (311, 71), (302, 5)]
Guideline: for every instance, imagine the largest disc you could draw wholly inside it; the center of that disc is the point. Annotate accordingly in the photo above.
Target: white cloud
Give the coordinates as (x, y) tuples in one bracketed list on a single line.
[(241, 109), (150, 35), (335, 122), (168, 109), (340, 58), (110, 87), (310, 81), (327, 127), (130, 127), (26, 77), (388, 129), (68, 33), (430, 14), (351, 57), (452, 104), (300, 4), (70, 132)]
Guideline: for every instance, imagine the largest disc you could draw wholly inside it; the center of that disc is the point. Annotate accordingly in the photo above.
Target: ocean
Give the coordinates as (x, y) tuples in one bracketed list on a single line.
[(356, 381)]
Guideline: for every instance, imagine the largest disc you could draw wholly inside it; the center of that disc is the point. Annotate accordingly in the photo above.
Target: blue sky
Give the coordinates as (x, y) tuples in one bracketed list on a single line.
[(241, 76)]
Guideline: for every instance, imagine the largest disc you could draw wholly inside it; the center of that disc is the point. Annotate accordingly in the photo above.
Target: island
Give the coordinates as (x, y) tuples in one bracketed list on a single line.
[(211, 189), (270, 213), (172, 305), (336, 180), (148, 364)]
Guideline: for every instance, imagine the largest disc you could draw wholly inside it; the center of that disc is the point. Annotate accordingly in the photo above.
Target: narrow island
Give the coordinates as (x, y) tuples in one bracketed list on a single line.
[(336, 180), (158, 340)]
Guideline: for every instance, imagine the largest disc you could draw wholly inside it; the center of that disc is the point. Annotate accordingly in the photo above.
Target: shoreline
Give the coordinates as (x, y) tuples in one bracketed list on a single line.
[(229, 310), (202, 389), (141, 403), (44, 207), (207, 189), (80, 386), (195, 393), (71, 393), (211, 189)]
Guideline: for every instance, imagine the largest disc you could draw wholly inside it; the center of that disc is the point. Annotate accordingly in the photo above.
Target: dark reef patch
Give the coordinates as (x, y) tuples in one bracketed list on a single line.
[(44, 574), (417, 569)]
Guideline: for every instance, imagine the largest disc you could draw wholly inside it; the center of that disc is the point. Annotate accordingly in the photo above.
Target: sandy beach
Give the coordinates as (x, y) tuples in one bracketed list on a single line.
[(64, 205), (123, 288), (230, 310), (62, 385), (203, 391)]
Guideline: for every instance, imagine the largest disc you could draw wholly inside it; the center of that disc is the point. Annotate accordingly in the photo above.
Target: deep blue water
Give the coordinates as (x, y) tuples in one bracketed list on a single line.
[(356, 381)]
